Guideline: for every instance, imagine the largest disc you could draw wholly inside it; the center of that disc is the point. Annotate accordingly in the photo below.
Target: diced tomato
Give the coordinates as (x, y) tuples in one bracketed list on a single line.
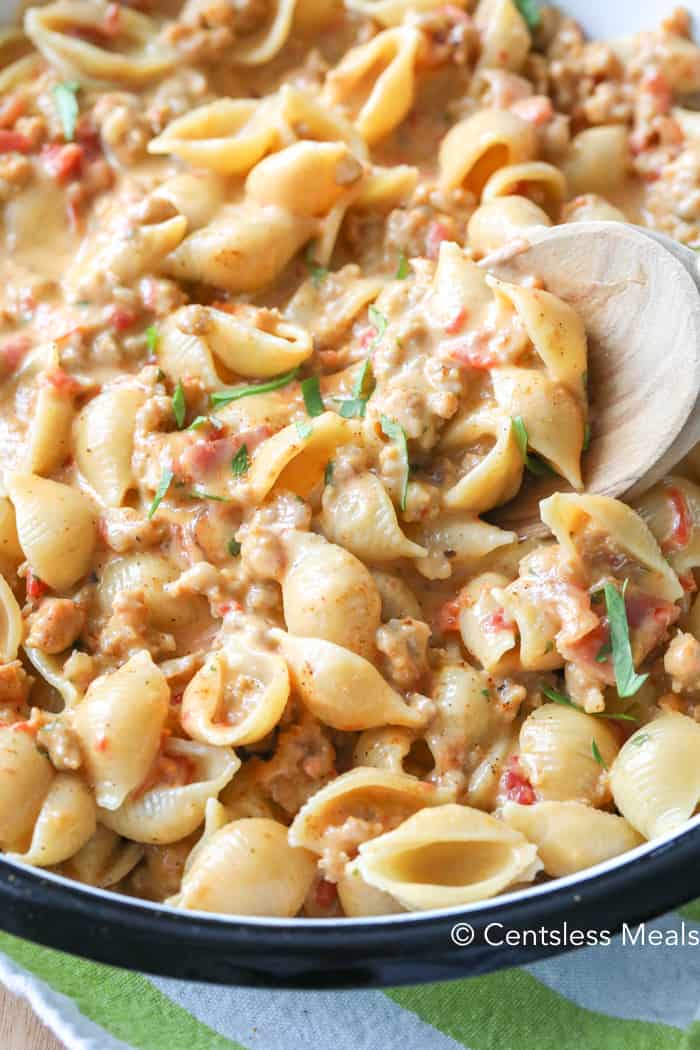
[(497, 621), (476, 352), (112, 20), (641, 606), (31, 728), (207, 455), (458, 321), (176, 699), (167, 771), (448, 616), (88, 136), (682, 526), (12, 108), (659, 88), (122, 318), (102, 743), (516, 786), (437, 233), (63, 161), (537, 109), (687, 582), (14, 142), (36, 588), (13, 350), (326, 893), (61, 381)]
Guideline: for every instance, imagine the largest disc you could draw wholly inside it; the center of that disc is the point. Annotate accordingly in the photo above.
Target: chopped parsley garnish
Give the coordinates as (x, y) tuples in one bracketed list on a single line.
[(197, 493), (637, 741), (565, 701), (304, 429), (362, 390), (597, 755), (396, 433), (530, 11), (532, 463), (152, 337), (240, 462), (403, 270), (234, 548), (317, 272), (65, 97), (353, 407), (328, 473), (163, 486), (203, 421), (378, 322), (224, 397), (626, 678), (586, 438), (311, 392), (179, 405)]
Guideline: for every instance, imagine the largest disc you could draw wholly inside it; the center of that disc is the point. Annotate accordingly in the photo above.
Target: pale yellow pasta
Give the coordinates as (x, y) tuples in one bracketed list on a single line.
[(671, 509), (272, 877), (463, 722), (104, 860), (308, 118), (143, 55), (259, 47), (11, 625), (196, 196), (375, 82), (119, 723), (385, 188), (491, 642), (377, 796), (571, 836), (66, 821), (307, 179), (147, 576), (398, 600), (50, 430), (243, 249), (359, 515), (357, 897), (505, 37), (597, 160), (459, 283), (25, 779), (52, 673), (391, 12), (343, 689), (10, 549), (328, 593), (384, 748), (558, 748), (103, 438), (474, 149), (464, 536), (168, 811), (497, 477), (545, 182), (237, 697), (18, 63), (445, 857), (655, 779), (227, 136), (501, 220), (295, 459), (567, 515), (56, 525)]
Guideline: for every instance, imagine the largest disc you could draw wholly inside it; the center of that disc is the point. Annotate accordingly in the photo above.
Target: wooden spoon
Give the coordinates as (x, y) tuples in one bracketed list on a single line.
[(637, 294)]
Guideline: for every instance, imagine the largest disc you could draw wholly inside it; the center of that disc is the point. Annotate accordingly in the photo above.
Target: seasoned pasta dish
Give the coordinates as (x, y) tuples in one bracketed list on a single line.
[(265, 648)]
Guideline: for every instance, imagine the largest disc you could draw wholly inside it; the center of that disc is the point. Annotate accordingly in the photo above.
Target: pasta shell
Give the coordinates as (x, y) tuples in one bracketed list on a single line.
[(655, 779), (475, 148), (49, 432), (271, 877), (466, 537), (544, 181), (57, 528), (328, 593), (164, 813), (377, 796), (264, 44), (341, 688), (25, 780), (505, 37), (104, 860), (492, 643), (104, 442), (494, 480), (666, 509), (307, 179), (570, 836), (496, 222), (119, 723), (444, 857), (359, 515), (236, 698), (11, 624), (66, 821), (357, 898)]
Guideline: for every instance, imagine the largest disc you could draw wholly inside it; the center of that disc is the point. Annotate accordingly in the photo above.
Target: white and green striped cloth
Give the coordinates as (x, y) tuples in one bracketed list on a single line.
[(608, 997)]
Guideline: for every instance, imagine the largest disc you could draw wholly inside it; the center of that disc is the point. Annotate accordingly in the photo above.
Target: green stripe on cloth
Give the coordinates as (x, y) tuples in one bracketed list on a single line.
[(512, 1010), (125, 1004), (690, 911)]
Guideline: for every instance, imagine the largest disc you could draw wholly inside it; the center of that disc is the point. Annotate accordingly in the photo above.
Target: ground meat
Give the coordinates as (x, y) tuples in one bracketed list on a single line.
[(125, 530), (682, 663), (584, 689), (128, 630), (404, 644), (304, 760), (340, 844), (55, 625), (15, 684), (61, 744), (124, 130), (160, 872)]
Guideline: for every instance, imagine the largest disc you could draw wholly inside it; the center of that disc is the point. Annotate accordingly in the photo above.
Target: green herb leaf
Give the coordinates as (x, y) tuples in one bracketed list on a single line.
[(364, 384), (317, 272), (557, 698), (396, 432), (530, 11), (163, 486), (532, 463), (328, 473), (637, 741), (626, 678), (197, 493), (65, 97), (353, 408), (586, 438), (224, 397), (603, 653), (615, 718), (234, 548), (179, 405), (403, 270), (597, 755), (311, 392), (152, 338), (549, 647), (485, 692), (304, 429), (378, 322), (240, 462), (203, 421)]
